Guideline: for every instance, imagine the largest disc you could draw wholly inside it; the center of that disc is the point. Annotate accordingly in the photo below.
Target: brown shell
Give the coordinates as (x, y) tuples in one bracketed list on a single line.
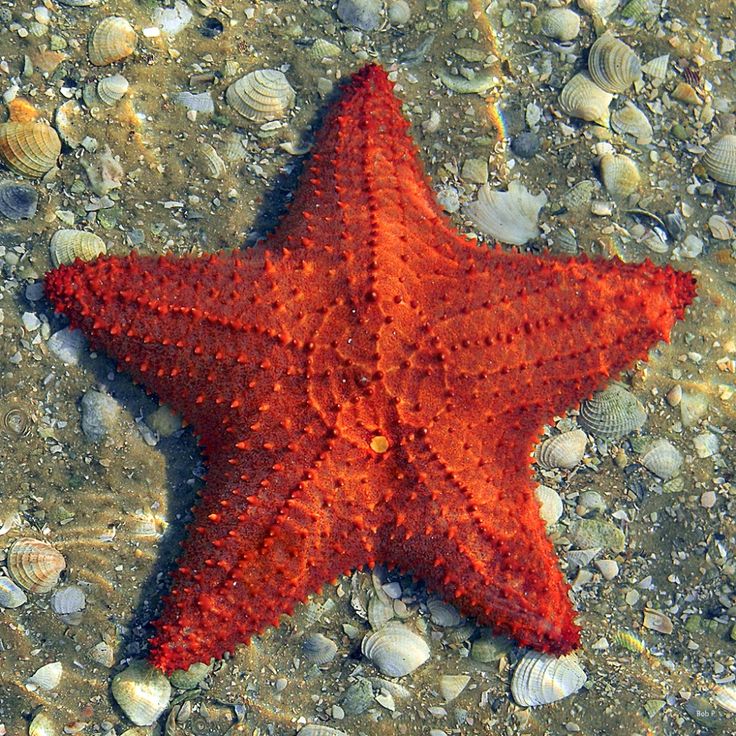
[(34, 564), (113, 39), (30, 148)]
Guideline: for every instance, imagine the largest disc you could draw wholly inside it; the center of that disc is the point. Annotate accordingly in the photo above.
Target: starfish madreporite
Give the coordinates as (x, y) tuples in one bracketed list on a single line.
[(367, 385)]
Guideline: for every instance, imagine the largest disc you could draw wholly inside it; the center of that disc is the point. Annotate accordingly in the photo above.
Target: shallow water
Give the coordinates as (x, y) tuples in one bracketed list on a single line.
[(115, 508)]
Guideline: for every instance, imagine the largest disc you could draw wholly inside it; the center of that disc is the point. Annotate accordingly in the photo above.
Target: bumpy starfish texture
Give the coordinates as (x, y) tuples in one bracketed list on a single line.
[(367, 385)]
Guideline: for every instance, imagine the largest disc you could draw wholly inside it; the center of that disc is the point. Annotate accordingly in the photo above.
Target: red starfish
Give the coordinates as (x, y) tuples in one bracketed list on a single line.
[(367, 385)]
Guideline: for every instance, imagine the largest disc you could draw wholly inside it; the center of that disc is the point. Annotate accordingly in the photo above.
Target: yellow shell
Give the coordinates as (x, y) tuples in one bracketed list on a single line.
[(29, 148), (261, 95), (582, 98), (720, 159), (21, 110), (35, 565), (67, 245), (620, 174), (612, 64), (113, 39)]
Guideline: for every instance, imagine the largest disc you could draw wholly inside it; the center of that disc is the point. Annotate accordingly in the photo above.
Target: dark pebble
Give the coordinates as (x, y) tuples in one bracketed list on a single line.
[(525, 145)]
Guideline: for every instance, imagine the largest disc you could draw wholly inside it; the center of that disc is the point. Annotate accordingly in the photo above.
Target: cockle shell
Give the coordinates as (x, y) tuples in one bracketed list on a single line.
[(613, 65), (29, 148), (630, 120), (35, 565), (620, 175), (111, 89), (612, 413), (395, 650), (582, 98), (261, 95), (663, 459), (540, 679), (47, 677), (563, 450), (442, 613), (561, 24), (142, 692), (17, 201), (720, 159), (319, 649), (67, 245), (112, 39)]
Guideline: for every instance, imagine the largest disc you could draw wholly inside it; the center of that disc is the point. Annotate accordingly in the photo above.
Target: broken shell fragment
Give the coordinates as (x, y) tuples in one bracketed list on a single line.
[(17, 201), (630, 120), (613, 65), (395, 650), (540, 679), (582, 98), (663, 459), (452, 685), (142, 692), (47, 677), (67, 245), (113, 39), (720, 159), (261, 96), (564, 450), (612, 413), (35, 565), (318, 729), (724, 696), (657, 621), (68, 603), (111, 89), (620, 175), (30, 148)]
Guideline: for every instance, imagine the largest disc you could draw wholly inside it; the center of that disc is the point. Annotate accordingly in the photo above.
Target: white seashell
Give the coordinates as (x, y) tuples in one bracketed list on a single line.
[(724, 696), (600, 8), (395, 650), (35, 565), (67, 245), (663, 459), (510, 217), (442, 613), (71, 122), (46, 677), (142, 692), (550, 504), (210, 162), (317, 729), (620, 175), (452, 685), (540, 678), (657, 67), (720, 159), (103, 654), (657, 621), (380, 610), (111, 89), (319, 649), (201, 102), (68, 603), (173, 20), (43, 725), (564, 450), (261, 95), (113, 39), (68, 345), (630, 120), (11, 595), (582, 98), (612, 413), (613, 65), (562, 24)]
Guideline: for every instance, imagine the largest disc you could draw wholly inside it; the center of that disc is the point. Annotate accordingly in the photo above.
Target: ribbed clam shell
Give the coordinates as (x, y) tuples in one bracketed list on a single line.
[(452, 685), (112, 39), (380, 610), (319, 649), (111, 89), (600, 8), (582, 98), (540, 679), (210, 162), (613, 65), (142, 692), (663, 459), (68, 600), (317, 729), (720, 159), (620, 175), (550, 504), (30, 149), (442, 613), (17, 201), (395, 650), (11, 594), (47, 677), (724, 696), (43, 725), (35, 565), (564, 450), (561, 24), (67, 245), (261, 95), (612, 413), (630, 120)]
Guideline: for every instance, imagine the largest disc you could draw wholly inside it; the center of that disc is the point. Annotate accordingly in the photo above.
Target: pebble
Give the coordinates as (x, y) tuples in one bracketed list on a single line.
[(708, 499), (475, 170), (399, 13), (608, 568), (449, 199), (30, 321), (526, 144), (100, 414), (592, 501), (692, 246), (363, 14), (705, 444), (67, 345), (589, 533)]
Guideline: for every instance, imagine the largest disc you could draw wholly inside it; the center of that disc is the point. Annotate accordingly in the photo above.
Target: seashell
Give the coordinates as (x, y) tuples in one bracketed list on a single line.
[(201, 102), (582, 98), (17, 201), (67, 345), (442, 613), (173, 20), (550, 504), (210, 161), (323, 49), (30, 149), (724, 696), (35, 565), (112, 39), (639, 11), (261, 95), (563, 450), (599, 8), (657, 67), (111, 89), (720, 159), (70, 123), (317, 729), (380, 610), (43, 725), (663, 459), (562, 24), (142, 692), (612, 413), (191, 677), (67, 245), (510, 216), (630, 120), (11, 595), (68, 603), (540, 679), (47, 677), (613, 65), (620, 175), (319, 649), (103, 654), (657, 621), (452, 685), (395, 650)]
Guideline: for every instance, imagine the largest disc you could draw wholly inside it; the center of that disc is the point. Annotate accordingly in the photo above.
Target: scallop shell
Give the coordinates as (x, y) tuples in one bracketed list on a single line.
[(35, 565), (612, 413), (540, 679), (112, 39), (561, 24), (47, 677), (613, 65), (67, 245), (630, 120), (142, 692), (11, 595), (724, 696), (395, 650), (17, 201), (30, 149), (663, 459), (563, 450), (68, 603), (317, 729), (620, 175), (261, 95), (111, 89), (582, 98), (319, 649), (720, 159)]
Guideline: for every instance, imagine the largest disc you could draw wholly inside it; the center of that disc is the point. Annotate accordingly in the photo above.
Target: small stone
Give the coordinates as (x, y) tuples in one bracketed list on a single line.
[(592, 501), (448, 199), (100, 414), (399, 13), (705, 444), (30, 321), (475, 170), (589, 533), (652, 707), (674, 395), (164, 422), (693, 407), (363, 14), (632, 597), (692, 246), (608, 568), (708, 499), (526, 144)]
